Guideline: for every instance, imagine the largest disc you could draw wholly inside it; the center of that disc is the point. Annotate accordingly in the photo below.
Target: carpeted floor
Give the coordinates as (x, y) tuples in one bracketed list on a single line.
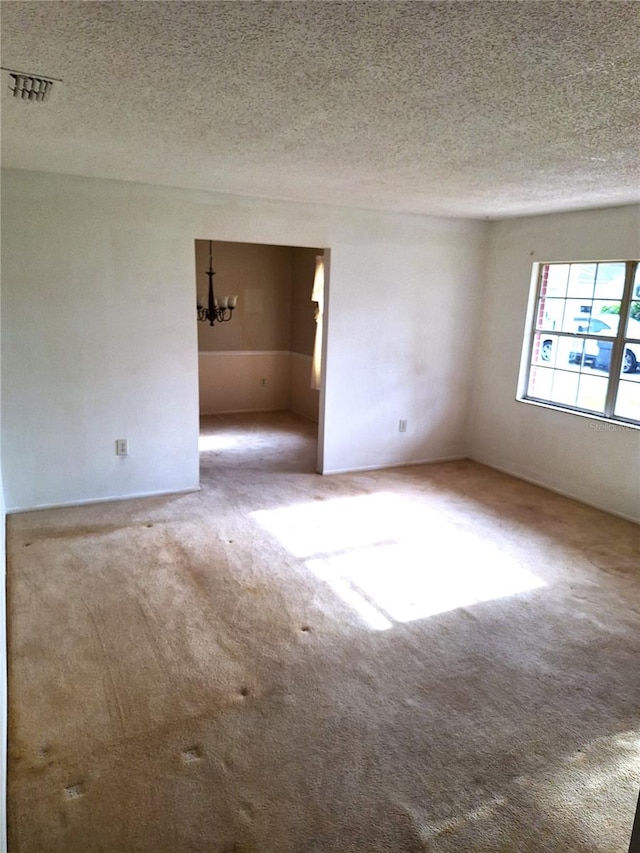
[(435, 658)]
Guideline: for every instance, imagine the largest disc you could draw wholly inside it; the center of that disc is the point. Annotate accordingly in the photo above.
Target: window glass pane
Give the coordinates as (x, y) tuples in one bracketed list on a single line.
[(628, 400), (582, 280), (570, 353), (577, 313), (592, 392), (631, 360), (607, 314), (610, 281), (550, 313), (554, 280), (540, 383), (605, 324), (565, 387), (598, 353), (544, 349), (633, 326)]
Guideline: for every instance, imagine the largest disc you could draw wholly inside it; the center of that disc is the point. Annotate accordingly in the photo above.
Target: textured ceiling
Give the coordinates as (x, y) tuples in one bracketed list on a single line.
[(481, 109)]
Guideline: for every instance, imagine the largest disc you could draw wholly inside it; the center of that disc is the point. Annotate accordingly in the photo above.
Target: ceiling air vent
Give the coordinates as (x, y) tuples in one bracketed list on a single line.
[(28, 87)]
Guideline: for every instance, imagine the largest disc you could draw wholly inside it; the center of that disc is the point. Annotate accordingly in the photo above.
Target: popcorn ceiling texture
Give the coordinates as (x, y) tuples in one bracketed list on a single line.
[(464, 109)]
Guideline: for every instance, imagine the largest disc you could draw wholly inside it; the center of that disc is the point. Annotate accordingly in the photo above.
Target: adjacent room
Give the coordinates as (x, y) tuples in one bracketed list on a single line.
[(320, 420), (269, 358)]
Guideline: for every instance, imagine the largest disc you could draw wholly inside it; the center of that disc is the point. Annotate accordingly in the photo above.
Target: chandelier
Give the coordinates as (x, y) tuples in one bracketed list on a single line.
[(216, 311)]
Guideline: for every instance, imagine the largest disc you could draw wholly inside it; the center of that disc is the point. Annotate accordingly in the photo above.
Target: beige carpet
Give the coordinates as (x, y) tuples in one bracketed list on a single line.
[(436, 658)]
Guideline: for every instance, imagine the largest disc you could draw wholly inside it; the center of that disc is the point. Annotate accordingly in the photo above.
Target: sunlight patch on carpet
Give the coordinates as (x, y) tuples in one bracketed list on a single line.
[(220, 441), (393, 560)]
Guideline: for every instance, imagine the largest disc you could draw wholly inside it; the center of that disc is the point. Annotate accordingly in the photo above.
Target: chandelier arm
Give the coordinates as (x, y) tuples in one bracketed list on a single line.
[(214, 315)]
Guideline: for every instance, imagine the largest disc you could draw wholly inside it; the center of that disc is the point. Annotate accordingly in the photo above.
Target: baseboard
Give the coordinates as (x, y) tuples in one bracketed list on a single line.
[(242, 412), (258, 412), (241, 353), (534, 482), (383, 467), (91, 501), (303, 415)]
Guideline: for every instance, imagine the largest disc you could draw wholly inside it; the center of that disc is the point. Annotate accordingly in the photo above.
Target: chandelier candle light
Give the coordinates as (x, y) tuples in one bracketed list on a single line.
[(215, 311)]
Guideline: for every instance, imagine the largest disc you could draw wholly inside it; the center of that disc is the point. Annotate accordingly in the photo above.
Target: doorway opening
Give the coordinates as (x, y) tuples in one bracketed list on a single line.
[(260, 374)]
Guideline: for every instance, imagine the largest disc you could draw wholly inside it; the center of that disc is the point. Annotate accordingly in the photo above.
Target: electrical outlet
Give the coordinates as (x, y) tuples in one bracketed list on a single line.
[(122, 447), (402, 426)]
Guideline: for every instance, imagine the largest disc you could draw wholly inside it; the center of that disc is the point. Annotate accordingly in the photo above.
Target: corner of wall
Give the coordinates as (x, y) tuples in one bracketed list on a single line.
[(481, 310)]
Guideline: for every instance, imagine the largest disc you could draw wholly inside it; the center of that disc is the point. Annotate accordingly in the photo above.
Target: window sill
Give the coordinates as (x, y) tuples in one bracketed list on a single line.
[(602, 424)]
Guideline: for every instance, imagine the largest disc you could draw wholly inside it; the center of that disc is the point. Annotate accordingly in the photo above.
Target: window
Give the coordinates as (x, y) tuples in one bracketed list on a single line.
[(584, 347)]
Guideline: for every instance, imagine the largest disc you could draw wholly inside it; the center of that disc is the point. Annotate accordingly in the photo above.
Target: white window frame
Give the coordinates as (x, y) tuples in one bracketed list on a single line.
[(631, 285)]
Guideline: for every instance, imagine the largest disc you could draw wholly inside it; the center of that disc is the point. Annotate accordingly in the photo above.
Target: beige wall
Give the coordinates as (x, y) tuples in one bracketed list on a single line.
[(303, 325), (244, 364), (303, 399), (261, 278), (274, 285), (255, 381)]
